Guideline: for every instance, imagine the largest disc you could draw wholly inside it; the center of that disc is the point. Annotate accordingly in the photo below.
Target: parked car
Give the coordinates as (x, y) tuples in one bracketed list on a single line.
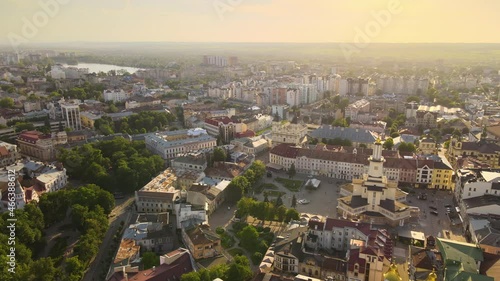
[(269, 174), (433, 208), (434, 213)]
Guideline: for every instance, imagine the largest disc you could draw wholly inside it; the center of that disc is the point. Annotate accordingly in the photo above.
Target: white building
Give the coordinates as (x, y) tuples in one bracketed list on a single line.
[(8, 154), (171, 144), (374, 197), (71, 115), (57, 72), (116, 95)]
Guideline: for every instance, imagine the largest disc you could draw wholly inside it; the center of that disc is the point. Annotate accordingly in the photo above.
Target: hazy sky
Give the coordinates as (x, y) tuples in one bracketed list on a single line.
[(252, 20)]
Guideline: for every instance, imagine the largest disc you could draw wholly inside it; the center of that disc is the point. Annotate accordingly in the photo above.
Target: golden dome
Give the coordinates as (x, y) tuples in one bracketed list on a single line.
[(392, 274), (432, 276)]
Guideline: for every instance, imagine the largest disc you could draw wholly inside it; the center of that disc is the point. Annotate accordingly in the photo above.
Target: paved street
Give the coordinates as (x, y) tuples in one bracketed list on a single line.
[(429, 223), (119, 213)]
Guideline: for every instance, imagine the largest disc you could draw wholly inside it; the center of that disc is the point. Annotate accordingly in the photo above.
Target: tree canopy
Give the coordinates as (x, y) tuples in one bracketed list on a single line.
[(115, 165), (143, 122)]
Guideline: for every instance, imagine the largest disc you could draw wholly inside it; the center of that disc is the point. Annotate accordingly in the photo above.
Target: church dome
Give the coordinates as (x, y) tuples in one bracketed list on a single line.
[(432, 276), (392, 274)]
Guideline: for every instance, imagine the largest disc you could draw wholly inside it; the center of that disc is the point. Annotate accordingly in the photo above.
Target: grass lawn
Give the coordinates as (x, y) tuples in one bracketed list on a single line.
[(274, 193), (263, 186), (58, 249), (236, 251), (292, 185)]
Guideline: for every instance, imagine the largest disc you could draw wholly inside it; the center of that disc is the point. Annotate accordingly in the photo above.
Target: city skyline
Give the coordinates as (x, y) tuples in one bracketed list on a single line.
[(380, 21)]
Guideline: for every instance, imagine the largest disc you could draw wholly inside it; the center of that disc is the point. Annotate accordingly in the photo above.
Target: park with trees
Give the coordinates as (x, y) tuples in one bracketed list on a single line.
[(143, 122), (118, 165), (84, 209)]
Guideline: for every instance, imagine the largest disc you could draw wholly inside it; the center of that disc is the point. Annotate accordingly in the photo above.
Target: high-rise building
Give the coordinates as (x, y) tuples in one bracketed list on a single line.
[(71, 115)]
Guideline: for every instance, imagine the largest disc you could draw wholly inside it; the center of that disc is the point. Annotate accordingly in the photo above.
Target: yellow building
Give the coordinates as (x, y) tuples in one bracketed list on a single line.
[(202, 242), (88, 119), (427, 145), (484, 151), (442, 176)]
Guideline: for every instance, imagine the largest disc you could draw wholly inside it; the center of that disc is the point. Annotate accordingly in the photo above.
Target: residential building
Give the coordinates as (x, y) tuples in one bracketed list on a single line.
[(484, 230), (173, 143), (195, 161), (172, 266), (226, 170), (251, 145), (205, 196), (288, 249), (41, 178), (188, 215), (427, 145), (151, 232), (115, 95), (201, 241), (483, 150), (281, 111), (288, 132), (424, 263), (441, 177), (71, 116), (45, 177), (374, 197), (366, 263), (159, 195), (426, 119), (224, 127), (477, 183), (335, 234), (128, 254), (36, 144), (8, 154), (358, 107)]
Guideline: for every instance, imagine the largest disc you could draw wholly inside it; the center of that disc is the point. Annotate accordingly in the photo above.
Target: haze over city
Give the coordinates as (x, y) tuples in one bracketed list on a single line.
[(249, 140), (256, 21)]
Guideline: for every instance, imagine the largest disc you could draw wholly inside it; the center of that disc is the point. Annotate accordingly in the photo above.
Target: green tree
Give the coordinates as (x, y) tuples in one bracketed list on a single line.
[(281, 213), (407, 147), (388, 144), (7, 102), (291, 171), (191, 276), (238, 186), (257, 258), (150, 259), (279, 201), (291, 214), (413, 98), (74, 269), (249, 238), (342, 122), (239, 270), (219, 154)]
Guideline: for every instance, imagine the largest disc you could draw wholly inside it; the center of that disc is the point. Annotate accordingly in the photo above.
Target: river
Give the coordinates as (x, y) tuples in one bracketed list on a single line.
[(98, 67)]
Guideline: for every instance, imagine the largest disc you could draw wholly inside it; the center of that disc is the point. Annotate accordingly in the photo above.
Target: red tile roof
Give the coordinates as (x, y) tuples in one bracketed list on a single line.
[(285, 150), (172, 271)]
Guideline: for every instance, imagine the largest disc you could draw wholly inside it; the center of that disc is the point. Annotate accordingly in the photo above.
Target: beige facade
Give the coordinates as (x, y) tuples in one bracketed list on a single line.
[(286, 132)]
